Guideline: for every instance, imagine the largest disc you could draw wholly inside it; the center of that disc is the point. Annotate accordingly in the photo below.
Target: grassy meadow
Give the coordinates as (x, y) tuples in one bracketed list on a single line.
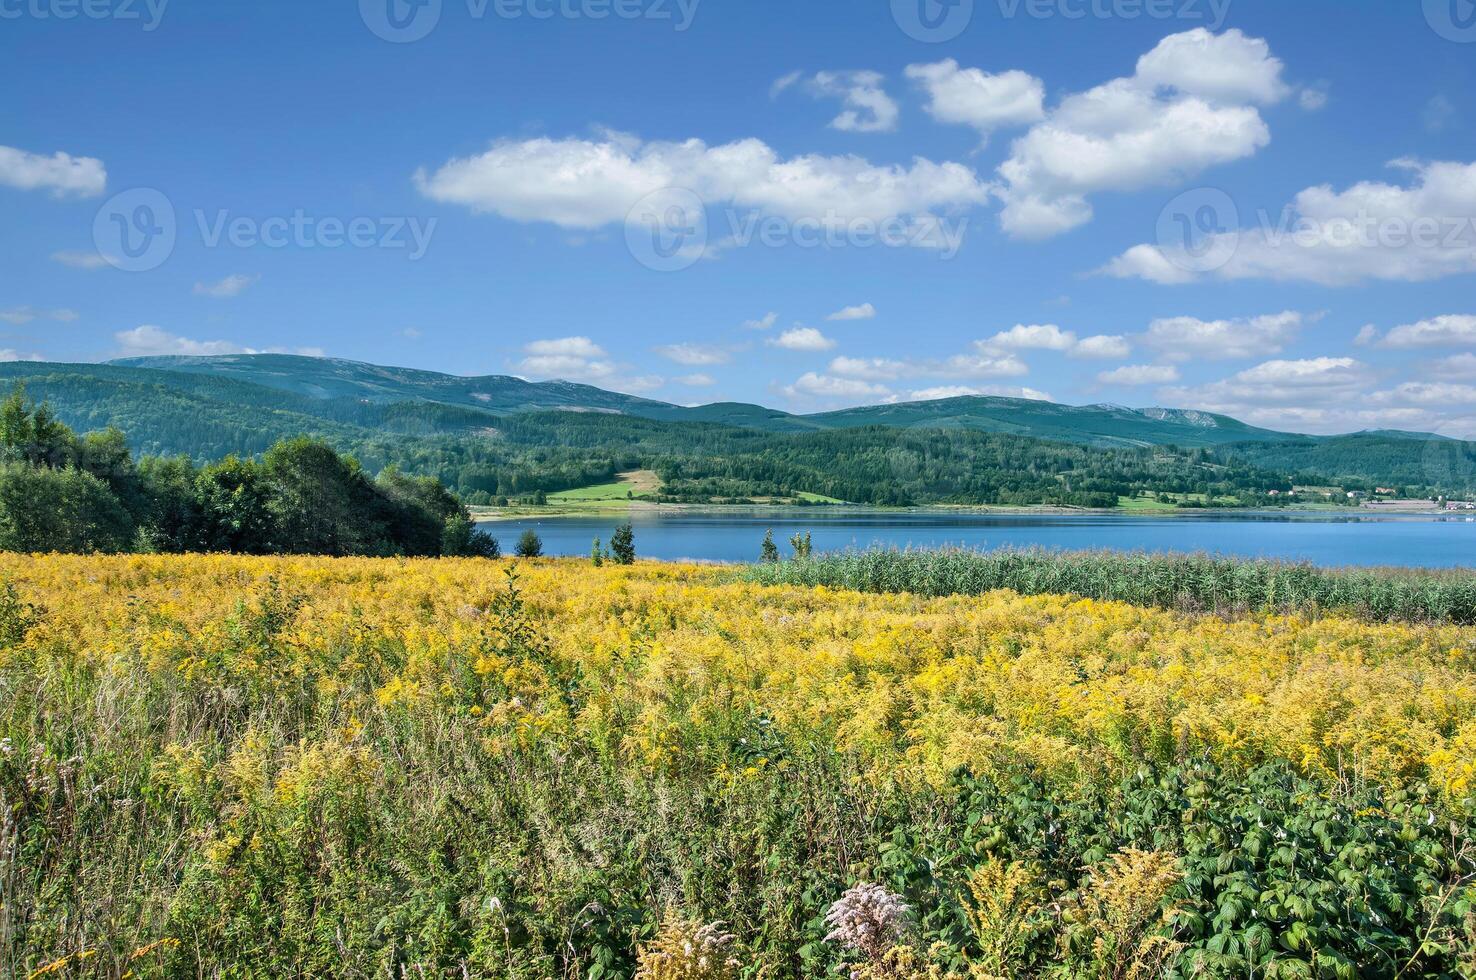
[(231, 767), (637, 483)]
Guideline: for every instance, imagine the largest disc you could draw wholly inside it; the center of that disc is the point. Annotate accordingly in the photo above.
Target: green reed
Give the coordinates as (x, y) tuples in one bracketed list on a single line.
[(1189, 582)]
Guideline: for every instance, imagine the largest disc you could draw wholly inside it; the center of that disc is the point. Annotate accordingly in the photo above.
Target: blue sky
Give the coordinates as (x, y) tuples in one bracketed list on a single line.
[(806, 205)]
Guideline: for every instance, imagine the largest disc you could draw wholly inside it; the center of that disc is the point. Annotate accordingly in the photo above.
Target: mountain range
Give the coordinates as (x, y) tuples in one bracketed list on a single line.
[(207, 407), (326, 379)]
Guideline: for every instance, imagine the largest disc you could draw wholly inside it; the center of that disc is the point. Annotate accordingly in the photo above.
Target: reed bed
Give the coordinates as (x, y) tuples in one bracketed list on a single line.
[(1183, 582)]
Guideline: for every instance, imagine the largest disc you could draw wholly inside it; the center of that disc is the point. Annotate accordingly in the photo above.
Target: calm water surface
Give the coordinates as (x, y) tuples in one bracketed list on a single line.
[(1326, 539)]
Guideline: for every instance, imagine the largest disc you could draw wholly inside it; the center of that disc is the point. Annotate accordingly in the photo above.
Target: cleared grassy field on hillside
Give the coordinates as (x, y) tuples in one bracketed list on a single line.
[(637, 483)]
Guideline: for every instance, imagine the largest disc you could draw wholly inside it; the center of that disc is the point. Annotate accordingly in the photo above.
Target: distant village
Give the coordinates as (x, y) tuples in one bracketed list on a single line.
[(1381, 498)]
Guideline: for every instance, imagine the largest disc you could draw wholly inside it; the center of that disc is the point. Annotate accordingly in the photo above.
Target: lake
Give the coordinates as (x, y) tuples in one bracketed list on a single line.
[(1324, 538)]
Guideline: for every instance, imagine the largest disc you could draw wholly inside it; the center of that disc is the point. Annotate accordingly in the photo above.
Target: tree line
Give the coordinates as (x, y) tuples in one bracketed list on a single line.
[(887, 466), (68, 493), (486, 457)]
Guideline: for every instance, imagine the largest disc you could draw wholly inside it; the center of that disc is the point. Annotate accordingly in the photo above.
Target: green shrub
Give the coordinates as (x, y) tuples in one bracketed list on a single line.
[(530, 545), (67, 510), (622, 545)]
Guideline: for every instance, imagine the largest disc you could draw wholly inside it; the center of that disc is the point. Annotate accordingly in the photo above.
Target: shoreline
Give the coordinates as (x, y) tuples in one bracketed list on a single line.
[(494, 515)]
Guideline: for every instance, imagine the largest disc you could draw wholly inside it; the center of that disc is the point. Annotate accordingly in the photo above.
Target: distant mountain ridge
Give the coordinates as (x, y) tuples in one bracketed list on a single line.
[(326, 379), (505, 436)]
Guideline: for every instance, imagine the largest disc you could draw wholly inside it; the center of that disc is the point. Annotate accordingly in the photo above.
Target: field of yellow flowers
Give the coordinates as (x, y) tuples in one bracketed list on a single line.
[(359, 767)]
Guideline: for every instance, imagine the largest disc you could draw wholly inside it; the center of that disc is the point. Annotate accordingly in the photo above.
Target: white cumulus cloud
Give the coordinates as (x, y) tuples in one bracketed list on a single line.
[(1193, 103), (565, 347), (864, 311), (61, 173), (21, 315), (982, 362), (873, 368), (976, 98), (581, 359), (1436, 394), (1419, 231), (79, 259), (1140, 374), (1338, 394), (803, 339), (1103, 346), (865, 105), (1457, 367), (694, 355), (1034, 336), (152, 341), (1185, 337), (587, 184), (1440, 331), (233, 285), (960, 391), (1281, 381), (813, 385)]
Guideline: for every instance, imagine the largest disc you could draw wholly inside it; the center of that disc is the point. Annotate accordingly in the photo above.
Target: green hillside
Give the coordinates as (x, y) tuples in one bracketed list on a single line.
[(738, 414), (328, 378), (210, 417), (1397, 459), (1096, 425), (499, 436)]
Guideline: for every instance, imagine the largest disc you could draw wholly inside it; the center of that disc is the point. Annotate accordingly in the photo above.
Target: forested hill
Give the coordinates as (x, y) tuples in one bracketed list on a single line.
[(328, 379), (494, 437), (1095, 425)]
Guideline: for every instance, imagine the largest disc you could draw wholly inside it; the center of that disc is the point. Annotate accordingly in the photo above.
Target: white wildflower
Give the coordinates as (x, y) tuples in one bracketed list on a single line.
[(868, 919)]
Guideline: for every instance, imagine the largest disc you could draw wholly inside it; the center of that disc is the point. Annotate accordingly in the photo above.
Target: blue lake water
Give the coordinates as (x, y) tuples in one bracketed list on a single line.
[(1326, 539)]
